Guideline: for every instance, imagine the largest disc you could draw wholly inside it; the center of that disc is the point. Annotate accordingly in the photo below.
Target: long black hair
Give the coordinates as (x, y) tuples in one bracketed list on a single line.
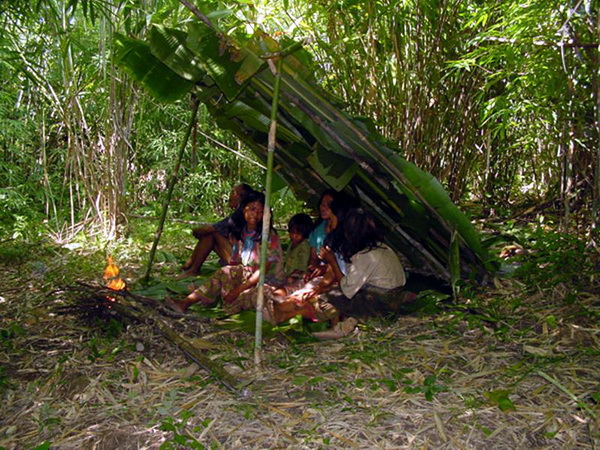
[(239, 222), (340, 207), (358, 232)]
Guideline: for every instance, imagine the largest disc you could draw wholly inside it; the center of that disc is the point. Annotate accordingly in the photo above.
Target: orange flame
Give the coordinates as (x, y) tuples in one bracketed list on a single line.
[(111, 276)]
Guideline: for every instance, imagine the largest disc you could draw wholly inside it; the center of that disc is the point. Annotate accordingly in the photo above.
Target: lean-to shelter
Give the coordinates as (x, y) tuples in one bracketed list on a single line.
[(318, 144)]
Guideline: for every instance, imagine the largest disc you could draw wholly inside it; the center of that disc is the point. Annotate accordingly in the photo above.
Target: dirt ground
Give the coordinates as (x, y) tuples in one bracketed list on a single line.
[(514, 370)]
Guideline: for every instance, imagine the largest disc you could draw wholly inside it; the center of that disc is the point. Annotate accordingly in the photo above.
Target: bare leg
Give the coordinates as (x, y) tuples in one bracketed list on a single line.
[(182, 305), (205, 245), (222, 247)]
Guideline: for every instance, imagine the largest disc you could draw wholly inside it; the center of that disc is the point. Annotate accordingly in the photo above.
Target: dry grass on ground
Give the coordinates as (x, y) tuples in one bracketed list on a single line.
[(517, 371)]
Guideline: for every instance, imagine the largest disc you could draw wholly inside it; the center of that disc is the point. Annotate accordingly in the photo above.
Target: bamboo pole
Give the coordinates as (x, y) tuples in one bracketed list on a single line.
[(267, 213), (171, 185)]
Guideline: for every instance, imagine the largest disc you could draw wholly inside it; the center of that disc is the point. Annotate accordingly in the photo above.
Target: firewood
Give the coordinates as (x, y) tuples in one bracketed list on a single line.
[(146, 310)]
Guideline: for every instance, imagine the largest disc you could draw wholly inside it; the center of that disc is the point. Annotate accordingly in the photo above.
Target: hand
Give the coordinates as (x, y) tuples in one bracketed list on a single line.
[(315, 271), (326, 254)]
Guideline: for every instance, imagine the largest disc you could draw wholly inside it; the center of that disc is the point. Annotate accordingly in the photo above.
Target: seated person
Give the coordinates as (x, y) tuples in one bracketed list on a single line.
[(298, 295), (236, 283), (373, 283), (295, 260), (325, 223), (332, 205), (215, 237)]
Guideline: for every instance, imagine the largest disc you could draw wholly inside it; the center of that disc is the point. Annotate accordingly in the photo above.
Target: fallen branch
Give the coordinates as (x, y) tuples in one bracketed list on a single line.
[(144, 310)]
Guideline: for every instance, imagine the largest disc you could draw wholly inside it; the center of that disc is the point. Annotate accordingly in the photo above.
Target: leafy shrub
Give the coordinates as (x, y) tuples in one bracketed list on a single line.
[(556, 258)]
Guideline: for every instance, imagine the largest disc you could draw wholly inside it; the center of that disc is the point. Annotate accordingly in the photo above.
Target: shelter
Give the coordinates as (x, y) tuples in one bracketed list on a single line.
[(318, 144)]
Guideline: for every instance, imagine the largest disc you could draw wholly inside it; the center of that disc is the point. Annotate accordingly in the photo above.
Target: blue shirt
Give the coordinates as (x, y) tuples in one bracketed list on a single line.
[(317, 236), (316, 239)]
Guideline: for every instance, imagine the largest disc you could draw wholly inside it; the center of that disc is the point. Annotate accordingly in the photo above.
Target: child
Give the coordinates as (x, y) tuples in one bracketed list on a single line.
[(295, 260), (236, 283)]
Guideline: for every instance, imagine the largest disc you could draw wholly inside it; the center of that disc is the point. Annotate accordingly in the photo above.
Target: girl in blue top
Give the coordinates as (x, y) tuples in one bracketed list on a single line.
[(236, 283), (324, 225)]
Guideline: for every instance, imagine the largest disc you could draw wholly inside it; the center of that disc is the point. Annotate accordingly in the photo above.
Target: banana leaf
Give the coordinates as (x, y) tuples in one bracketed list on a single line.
[(168, 46), (136, 58)]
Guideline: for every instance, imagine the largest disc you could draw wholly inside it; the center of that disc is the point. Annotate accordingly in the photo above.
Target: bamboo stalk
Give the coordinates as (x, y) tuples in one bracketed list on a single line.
[(171, 185), (267, 212)]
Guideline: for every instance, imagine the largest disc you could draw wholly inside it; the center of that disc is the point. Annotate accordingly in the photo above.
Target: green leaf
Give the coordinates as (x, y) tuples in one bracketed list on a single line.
[(138, 61), (336, 170), (168, 45), (217, 56), (219, 14), (500, 398), (44, 446)]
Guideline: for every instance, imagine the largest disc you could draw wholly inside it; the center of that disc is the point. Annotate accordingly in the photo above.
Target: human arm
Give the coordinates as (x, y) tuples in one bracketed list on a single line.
[(327, 255), (313, 259)]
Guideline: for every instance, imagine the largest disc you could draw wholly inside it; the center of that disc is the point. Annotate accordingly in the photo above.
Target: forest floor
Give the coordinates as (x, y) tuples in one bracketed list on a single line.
[(510, 365)]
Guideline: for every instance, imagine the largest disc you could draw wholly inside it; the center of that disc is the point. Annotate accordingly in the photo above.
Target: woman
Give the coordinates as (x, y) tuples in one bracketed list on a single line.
[(372, 282), (215, 237), (332, 207), (236, 283)]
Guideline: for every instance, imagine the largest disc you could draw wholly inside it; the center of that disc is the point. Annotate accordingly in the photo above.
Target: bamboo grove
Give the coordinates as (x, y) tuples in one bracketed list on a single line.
[(498, 100)]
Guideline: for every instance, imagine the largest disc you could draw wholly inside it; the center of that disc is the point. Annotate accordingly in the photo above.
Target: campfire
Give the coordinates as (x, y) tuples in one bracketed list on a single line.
[(93, 302), (111, 276)]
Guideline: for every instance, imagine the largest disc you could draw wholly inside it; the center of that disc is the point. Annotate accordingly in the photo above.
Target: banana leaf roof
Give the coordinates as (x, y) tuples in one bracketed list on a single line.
[(318, 144)]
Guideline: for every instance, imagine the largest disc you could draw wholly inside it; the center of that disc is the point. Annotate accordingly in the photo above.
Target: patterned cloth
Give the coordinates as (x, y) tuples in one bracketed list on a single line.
[(223, 281), (247, 251)]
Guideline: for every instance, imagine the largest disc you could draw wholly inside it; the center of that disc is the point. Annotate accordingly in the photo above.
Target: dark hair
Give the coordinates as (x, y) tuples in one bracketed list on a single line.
[(340, 206), (332, 193), (239, 222), (342, 203), (358, 232), (302, 223), (246, 189)]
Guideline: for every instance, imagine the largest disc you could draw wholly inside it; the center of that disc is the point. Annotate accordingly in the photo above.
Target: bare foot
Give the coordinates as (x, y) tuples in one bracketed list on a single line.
[(187, 274), (175, 305)]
